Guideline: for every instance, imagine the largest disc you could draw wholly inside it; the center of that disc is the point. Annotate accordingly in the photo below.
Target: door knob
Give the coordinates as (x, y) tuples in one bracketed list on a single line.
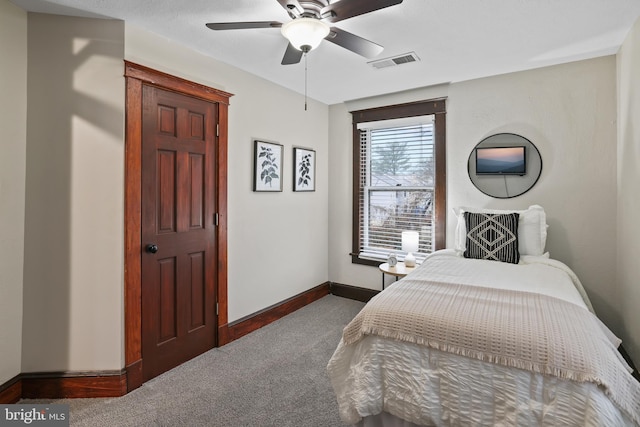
[(151, 248)]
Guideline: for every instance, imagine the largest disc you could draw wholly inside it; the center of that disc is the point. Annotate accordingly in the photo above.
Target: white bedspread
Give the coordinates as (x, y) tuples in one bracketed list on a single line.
[(430, 387), (534, 274)]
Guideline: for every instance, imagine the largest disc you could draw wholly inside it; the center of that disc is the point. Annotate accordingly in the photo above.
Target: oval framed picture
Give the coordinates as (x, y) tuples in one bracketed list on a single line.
[(504, 165)]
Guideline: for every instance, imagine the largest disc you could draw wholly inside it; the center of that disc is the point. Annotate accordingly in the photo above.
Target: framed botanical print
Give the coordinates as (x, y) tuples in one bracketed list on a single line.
[(267, 166), (304, 169)]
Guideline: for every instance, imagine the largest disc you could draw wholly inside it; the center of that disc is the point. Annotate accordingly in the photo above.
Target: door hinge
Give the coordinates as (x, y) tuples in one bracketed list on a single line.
[(216, 309), (217, 130), (216, 219)]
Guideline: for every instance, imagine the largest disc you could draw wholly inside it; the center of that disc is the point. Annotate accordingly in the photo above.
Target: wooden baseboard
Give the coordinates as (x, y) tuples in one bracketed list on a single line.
[(11, 391), (352, 292), (223, 335), (58, 385), (248, 324), (134, 375)]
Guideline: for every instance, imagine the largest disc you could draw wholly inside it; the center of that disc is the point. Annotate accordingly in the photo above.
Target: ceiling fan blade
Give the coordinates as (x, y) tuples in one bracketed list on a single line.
[(291, 55), (354, 43), (293, 8), (345, 9), (243, 25)]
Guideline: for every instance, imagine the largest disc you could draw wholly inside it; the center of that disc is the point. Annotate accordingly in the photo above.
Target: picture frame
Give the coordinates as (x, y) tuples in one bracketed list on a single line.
[(267, 166), (304, 169)]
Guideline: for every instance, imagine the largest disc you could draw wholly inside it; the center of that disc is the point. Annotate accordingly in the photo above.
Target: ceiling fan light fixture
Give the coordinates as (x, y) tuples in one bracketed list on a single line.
[(305, 34)]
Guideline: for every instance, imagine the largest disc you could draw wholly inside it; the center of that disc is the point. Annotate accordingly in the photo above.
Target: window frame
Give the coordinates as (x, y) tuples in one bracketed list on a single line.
[(435, 107)]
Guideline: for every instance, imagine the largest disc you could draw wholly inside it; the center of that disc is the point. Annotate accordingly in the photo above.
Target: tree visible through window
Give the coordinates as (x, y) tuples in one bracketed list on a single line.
[(397, 182)]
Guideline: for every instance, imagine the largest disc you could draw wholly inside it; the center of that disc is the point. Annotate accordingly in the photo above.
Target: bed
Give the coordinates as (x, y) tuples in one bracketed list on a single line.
[(498, 340)]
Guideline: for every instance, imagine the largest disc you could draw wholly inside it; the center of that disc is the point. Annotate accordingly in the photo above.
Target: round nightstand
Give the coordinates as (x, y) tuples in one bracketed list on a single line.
[(399, 270)]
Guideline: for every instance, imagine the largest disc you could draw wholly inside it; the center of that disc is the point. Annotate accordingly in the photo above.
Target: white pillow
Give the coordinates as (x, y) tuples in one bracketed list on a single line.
[(532, 229)]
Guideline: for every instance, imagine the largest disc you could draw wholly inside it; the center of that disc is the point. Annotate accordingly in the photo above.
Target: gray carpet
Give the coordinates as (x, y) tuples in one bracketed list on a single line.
[(275, 376)]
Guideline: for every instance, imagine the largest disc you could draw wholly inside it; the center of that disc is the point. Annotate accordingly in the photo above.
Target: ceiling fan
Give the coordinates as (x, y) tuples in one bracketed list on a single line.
[(310, 25)]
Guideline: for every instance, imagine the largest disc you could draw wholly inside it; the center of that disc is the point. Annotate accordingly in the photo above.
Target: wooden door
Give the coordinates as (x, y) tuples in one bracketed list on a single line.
[(178, 229)]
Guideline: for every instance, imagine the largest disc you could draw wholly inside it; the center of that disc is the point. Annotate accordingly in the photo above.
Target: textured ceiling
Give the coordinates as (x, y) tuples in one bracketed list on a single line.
[(455, 40)]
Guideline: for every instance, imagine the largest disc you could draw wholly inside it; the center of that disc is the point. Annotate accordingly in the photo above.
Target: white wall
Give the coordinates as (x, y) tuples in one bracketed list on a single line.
[(73, 309), (629, 189), (73, 255), (73, 275), (277, 241), (13, 122), (569, 113)]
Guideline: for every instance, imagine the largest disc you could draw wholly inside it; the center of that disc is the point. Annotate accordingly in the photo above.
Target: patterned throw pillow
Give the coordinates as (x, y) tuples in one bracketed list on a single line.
[(492, 236)]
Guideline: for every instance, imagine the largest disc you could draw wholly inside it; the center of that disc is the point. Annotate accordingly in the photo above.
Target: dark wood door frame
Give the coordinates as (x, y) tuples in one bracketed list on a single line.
[(136, 76)]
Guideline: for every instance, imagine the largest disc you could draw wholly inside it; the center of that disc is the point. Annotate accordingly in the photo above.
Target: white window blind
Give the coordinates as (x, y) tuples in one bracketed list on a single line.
[(396, 188)]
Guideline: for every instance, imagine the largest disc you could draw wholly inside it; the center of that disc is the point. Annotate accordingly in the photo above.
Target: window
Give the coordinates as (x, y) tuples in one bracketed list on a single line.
[(399, 179)]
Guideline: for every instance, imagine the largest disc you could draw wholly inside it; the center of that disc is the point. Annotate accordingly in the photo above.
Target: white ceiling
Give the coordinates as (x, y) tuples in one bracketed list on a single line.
[(456, 40)]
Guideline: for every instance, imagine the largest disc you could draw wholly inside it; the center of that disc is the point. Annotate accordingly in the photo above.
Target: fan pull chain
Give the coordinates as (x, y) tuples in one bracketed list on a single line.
[(305, 81)]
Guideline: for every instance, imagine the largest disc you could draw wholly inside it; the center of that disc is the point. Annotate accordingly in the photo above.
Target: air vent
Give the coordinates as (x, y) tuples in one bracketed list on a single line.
[(405, 58)]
